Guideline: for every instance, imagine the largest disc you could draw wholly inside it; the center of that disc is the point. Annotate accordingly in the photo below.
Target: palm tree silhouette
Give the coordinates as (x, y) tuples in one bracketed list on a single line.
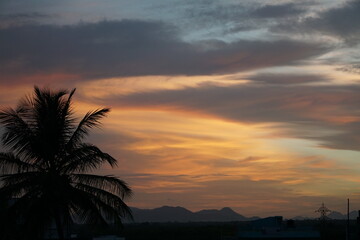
[(47, 168)]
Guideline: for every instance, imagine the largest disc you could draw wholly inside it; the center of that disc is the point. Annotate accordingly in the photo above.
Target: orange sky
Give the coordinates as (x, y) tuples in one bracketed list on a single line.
[(172, 155), (251, 105)]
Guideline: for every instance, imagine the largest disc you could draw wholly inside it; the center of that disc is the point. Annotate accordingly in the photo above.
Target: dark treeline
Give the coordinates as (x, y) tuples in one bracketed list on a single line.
[(329, 230)]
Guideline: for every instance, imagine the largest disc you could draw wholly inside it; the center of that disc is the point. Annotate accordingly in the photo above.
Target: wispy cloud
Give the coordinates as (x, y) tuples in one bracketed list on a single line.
[(304, 106), (341, 22)]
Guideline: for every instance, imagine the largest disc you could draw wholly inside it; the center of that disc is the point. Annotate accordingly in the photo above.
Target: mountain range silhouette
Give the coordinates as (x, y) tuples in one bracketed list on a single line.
[(180, 214), (226, 214)]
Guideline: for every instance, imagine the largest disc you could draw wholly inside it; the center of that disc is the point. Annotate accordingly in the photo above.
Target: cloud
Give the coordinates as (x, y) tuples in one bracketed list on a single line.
[(243, 182), (352, 68), (131, 48), (342, 22), (261, 198), (209, 13), (219, 18), (250, 14), (230, 163), (278, 11), (272, 78), (332, 110), (11, 20), (347, 139)]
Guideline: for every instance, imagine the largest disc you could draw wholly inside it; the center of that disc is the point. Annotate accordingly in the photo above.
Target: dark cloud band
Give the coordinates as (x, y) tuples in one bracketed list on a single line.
[(133, 48)]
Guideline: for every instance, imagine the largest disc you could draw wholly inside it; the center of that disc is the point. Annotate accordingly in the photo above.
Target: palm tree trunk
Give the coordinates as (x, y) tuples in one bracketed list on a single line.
[(59, 226)]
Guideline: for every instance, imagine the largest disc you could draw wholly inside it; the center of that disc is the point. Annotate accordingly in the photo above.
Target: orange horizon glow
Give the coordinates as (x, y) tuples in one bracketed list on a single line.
[(251, 104)]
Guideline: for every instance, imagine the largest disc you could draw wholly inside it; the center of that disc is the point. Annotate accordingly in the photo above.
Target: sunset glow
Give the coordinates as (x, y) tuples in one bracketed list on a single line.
[(253, 105)]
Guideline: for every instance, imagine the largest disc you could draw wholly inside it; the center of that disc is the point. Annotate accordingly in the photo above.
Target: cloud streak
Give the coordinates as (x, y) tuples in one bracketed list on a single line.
[(294, 106), (278, 11), (132, 48)]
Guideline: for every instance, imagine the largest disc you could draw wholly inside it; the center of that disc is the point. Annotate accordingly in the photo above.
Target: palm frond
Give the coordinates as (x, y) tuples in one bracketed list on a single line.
[(25, 110), (9, 163), (67, 116), (90, 120), (112, 200), (109, 213), (108, 182), (86, 157), (100, 211), (24, 180), (17, 135), (83, 206)]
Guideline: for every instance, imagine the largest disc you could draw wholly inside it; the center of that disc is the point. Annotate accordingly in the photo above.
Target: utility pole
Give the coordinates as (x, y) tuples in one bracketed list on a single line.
[(358, 224), (348, 220)]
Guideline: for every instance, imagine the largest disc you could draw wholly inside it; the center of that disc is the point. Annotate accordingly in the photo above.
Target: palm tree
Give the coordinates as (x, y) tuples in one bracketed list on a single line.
[(47, 167)]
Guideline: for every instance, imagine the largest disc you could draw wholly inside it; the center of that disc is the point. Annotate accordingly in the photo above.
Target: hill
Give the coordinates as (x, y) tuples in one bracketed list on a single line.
[(337, 215), (180, 214)]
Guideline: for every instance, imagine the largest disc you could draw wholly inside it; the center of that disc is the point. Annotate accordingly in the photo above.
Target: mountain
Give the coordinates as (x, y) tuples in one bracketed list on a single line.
[(180, 214), (333, 215), (162, 214), (337, 215), (223, 215)]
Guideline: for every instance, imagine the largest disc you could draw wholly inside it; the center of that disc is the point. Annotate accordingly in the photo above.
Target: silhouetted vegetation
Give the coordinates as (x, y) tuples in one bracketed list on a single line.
[(45, 171), (330, 230)]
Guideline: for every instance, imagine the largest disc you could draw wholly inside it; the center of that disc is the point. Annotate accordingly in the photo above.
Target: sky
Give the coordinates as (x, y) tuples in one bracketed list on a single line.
[(250, 104)]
